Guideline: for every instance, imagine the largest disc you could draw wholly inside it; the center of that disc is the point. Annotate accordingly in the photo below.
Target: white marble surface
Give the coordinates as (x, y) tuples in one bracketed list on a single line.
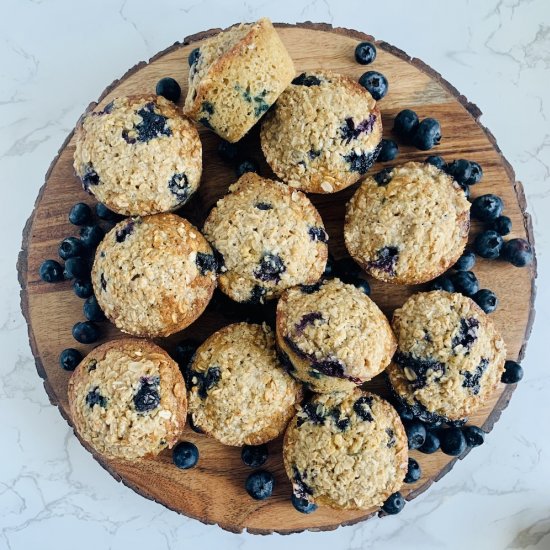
[(58, 55)]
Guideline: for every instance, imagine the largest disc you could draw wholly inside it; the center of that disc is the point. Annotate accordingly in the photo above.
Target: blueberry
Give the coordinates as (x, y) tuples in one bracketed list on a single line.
[(347, 270), (386, 258), (486, 299), (86, 332), (452, 441), (168, 88), (365, 53), (193, 426), (465, 282), (254, 455), (442, 283), (153, 125), (488, 244), (404, 412), (502, 225), (270, 268), (104, 213), (69, 358), (51, 271), (330, 267), (427, 135), (436, 161), (460, 170), (194, 56), (245, 166), (383, 177), (147, 398), (80, 214), (362, 285), (466, 261), (476, 175), (259, 485), (304, 79), (94, 398), (465, 337), (71, 247), (229, 152), (361, 162), (183, 354), (92, 311), (405, 124), (416, 434), (394, 504), (91, 235), (185, 455), (431, 444), (376, 83), (76, 268), (414, 472), (388, 150), (466, 190), (83, 288), (513, 373), (303, 505), (474, 436), (518, 252), (487, 208)]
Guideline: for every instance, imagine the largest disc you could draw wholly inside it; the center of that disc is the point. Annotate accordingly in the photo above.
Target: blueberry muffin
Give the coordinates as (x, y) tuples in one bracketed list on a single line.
[(127, 399), (138, 155), (333, 335), (236, 76), (153, 276), (323, 134), (407, 224), (347, 450), (450, 356), (239, 393), (270, 237)]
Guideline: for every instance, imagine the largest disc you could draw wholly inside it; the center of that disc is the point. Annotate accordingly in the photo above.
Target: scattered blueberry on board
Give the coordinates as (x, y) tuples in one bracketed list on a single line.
[(476, 173), (427, 135), (303, 505), (431, 444), (76, 268), (466, 262), (416, 434), (442, 283), (80, 214), (168, 88), (92, 311), (436, 161), (71, 247), (518, 252), (86, 332), (104, 213), (486, 299), (51, 271), (229, 152), (83, 288), (183, 354), (405, 124), (362, 285), (465, 282), (259, 485), (375, 83), (69, 359), (414, 472), (91, 235), (487, 207), (404, 412), (388, 150), (513, 373), (502, 225), (452, 441), (254, 455), (488, 244), (365, 53), (185, 455), (245, 166), (460, 170), (394, 504), (474, 436)]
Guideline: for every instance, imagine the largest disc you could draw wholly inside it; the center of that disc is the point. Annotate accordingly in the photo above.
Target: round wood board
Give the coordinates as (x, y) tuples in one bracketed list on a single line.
[(213, 492)]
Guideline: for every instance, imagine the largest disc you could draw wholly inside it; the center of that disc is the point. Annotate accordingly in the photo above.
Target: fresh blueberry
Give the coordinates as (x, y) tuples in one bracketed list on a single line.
[(427, 135), (513, 373), (474, 436), (466, 262), (91, 235), (518, 252), (414, 472), (488, 244), (365, 53), (362, 285), (229, 152), (384, 176), (86, 332), (259, 485), (303, 505), (254, 455), (442, 283), (70, 248), (185, 455), (168, 88), (452, 441), (194, 56), (487, 208), (104, 213), (375, 83), (83, 288), (183, 354), (436, 161), (486, 299), (51, 271), (388, 150), (465, 282), (92, 311), (394, 504), (70, 358), (193, 426), (502, 225), (476, 174), (80, 214), (460, 170), (466, 189), (416, 434), (431, 444), (404, 412), (76, 268), (405, 124), (246, 166), (347, 270)]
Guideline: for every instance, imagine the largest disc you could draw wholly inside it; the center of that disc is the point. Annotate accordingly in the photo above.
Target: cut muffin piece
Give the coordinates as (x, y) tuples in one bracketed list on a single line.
[(236, 76)]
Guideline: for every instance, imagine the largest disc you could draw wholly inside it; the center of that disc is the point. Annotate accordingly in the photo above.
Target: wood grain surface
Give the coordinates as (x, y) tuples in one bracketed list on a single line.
[(213, 492)]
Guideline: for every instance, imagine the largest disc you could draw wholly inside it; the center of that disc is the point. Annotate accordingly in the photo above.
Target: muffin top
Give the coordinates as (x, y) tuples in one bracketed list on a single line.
[(407, 224), (270, 237), (450, 357), (138, 155), (323, 133), (153, 276)]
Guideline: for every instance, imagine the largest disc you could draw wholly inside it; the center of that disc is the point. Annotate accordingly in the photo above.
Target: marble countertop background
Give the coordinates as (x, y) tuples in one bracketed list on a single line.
[(57, 56)]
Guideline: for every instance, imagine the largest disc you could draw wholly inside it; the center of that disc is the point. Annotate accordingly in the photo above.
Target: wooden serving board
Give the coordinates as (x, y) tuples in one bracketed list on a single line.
[(213, 492)]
